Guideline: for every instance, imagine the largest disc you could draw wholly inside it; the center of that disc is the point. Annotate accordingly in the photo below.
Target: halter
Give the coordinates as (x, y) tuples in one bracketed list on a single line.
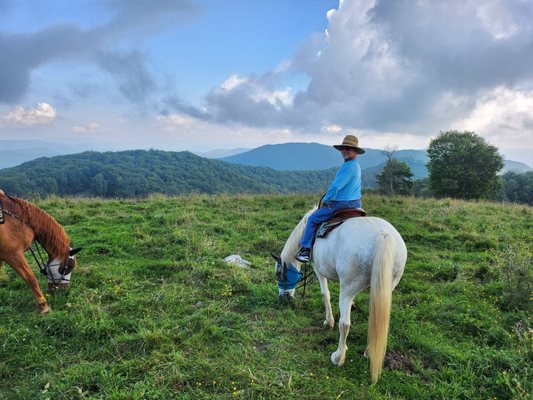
[(65, 268), (289, 276)]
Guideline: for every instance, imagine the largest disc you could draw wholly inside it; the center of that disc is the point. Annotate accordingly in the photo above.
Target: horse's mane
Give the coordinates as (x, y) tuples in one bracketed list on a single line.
[(293, 242), (45, 228)]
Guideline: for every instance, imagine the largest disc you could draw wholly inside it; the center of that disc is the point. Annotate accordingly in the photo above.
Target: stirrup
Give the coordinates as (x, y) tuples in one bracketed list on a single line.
[(303, 255)]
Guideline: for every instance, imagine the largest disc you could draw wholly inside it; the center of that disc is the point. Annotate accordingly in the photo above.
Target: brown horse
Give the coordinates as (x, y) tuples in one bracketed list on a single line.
[(20, 224)]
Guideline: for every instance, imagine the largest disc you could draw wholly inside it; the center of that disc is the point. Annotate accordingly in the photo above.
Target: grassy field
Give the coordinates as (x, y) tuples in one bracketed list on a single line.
[(154, 312)]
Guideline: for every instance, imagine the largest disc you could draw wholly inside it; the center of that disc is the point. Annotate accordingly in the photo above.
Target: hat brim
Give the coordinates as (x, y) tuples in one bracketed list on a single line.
[(358, 150)]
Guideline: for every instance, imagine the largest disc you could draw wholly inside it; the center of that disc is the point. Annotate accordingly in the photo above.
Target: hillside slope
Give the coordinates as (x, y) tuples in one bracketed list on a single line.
[(142, 172), (154, 313)]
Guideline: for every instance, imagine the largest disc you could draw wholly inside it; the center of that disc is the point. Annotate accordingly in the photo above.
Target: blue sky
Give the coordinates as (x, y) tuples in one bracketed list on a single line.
[(207, 74)]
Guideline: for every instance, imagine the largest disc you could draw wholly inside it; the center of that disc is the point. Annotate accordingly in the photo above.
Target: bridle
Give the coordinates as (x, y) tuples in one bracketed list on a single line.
[(289, 277), (65, 267)]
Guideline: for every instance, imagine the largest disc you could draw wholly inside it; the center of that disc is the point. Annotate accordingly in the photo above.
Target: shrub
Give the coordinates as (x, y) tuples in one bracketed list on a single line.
[(515, 266)]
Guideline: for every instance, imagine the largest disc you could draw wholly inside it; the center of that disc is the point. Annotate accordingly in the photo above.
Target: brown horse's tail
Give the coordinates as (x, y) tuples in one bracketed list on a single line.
[(380, 303)]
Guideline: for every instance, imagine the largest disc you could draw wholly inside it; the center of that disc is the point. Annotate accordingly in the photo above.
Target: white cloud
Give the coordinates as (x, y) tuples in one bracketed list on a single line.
[(496, 18), (174, 122), (411, 68), (233, 82), (331, 128), (503, 116), (91, 126), (182, 131), (277, 98), (43, 114)]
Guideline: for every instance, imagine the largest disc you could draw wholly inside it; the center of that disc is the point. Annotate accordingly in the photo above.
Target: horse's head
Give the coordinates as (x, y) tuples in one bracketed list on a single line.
[(58, 271), (288, 277)]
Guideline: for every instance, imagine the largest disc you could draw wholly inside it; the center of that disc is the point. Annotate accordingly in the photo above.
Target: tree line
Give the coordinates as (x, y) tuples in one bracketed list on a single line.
[(461, 165), (138, 173)]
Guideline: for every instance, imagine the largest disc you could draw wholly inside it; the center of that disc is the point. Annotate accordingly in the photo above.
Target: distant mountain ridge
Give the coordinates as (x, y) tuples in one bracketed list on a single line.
[(15, 152), (220, 153), (283, 157), (138, 173), (316, 156)]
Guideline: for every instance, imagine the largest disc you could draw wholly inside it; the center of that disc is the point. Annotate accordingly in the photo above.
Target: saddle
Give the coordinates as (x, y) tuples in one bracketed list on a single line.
[(338, 218)]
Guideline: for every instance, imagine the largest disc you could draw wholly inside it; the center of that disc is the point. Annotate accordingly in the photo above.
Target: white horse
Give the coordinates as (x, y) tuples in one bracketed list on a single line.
[(363, 252)]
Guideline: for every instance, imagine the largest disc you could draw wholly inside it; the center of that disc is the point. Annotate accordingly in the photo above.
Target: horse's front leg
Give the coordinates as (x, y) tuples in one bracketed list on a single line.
[(21, 267), (345, 306), (329, 321)]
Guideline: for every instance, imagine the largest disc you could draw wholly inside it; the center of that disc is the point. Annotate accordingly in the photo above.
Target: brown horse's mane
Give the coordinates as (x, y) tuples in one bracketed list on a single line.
[(45, 228)]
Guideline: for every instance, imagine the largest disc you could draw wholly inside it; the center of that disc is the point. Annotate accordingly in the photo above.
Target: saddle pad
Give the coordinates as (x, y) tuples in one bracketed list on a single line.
[(338, 218)]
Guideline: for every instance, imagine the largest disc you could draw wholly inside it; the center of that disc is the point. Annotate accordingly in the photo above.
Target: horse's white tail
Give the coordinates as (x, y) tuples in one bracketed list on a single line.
[(380, 303)]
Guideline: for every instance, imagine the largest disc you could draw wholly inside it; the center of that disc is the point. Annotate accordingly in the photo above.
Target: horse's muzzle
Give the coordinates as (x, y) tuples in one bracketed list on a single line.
[(54, 287)]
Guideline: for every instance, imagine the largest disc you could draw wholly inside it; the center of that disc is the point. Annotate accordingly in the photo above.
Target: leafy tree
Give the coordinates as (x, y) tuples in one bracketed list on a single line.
[(518, 187), (463, 165), (395, 178), (421, 188)]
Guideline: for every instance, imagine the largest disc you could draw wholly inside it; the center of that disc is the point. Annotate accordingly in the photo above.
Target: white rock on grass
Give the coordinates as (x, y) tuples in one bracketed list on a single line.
[(237, 260)]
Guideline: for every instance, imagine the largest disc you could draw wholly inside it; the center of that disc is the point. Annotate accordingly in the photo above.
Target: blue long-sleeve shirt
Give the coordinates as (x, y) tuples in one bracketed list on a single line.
[(347, 183)]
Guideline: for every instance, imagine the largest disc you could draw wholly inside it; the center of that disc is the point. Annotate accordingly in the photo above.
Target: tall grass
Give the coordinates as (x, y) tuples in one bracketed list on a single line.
[(154, 312)]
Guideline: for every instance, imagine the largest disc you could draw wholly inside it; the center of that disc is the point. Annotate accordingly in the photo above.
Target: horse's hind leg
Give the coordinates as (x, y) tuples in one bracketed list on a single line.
[(21, 267), (347, 294), (329, 321)]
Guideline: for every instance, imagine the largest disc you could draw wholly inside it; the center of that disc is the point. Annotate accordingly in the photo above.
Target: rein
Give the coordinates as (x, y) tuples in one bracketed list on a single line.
[(40, 261), (307, 273)]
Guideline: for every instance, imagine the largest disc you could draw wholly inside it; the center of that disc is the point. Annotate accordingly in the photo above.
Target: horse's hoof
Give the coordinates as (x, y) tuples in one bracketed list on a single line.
[(45, 310), (328, 325), (337, 358)]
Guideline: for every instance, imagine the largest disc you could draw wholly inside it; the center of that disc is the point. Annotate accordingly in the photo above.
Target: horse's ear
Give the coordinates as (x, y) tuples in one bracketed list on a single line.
[(75, 251), (276, 257)]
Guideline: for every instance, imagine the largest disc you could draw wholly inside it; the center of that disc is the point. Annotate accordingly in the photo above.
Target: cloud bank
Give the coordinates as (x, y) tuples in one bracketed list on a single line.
[(393, 71), (107, 46), (43, 114), (397, 66)]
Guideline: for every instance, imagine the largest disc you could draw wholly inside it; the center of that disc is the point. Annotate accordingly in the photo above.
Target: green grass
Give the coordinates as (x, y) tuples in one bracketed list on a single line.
[(154, 312)]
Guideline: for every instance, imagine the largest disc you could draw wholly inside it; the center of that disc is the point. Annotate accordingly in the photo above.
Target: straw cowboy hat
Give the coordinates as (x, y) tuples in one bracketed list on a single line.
[(350, 141)]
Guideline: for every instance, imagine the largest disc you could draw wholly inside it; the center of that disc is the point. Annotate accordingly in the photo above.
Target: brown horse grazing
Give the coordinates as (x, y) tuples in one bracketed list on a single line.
[(20, 224)]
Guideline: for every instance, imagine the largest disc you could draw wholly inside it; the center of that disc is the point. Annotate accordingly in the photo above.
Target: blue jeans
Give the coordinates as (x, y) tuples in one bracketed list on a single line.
[(323, 214)]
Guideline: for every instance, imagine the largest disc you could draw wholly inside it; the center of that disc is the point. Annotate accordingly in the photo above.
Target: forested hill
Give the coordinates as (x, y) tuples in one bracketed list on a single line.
[(313, 156), (138, 173)]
